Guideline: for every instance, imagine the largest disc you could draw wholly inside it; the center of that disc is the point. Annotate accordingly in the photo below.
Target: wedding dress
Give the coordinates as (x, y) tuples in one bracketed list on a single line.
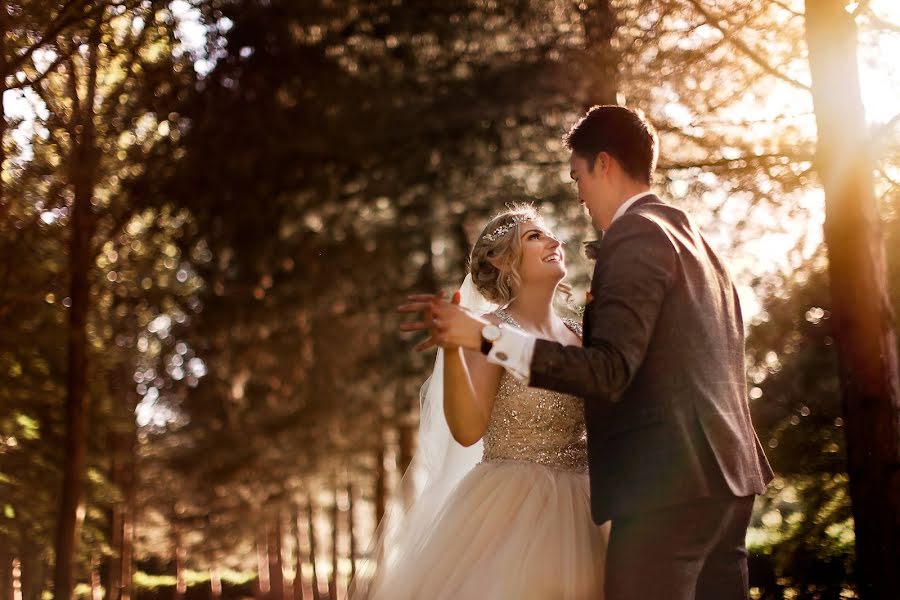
[(517, 525)]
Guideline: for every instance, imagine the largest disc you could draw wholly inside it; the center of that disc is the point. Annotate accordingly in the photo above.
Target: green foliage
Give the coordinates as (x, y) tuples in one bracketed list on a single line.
[(804, 525), (797, 413), (258, 220), (35, 204)]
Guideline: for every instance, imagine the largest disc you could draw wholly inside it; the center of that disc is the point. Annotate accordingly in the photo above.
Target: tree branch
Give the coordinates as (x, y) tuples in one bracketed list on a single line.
[(894, 183), (72, 81), (115, 229), (881, 135), (8, 263), (881, 24), (740, 162), (59, 24), (133, 59), (749, 52), (787, 8), (885, 128), (63, 56), (55, 110)]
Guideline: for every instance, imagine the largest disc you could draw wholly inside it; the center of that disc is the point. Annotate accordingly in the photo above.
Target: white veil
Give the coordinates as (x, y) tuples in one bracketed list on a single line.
[(437, 467)]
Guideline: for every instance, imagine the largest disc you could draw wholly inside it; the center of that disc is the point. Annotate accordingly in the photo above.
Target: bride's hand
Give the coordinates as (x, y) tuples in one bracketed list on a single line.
[(454, 327), (421, 304)]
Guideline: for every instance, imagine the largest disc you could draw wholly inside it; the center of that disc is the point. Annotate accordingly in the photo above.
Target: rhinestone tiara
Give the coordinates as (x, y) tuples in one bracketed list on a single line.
[(504, 229)]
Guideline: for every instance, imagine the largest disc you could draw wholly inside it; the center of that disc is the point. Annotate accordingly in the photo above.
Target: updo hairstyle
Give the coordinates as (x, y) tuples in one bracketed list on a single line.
[(495, 259)]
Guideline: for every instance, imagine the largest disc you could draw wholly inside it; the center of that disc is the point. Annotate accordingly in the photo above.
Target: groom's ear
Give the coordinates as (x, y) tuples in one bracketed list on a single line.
[(601, 163)]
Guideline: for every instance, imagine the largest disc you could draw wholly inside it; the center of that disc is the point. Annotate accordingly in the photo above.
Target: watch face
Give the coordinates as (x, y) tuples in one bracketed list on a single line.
[(491, 333)]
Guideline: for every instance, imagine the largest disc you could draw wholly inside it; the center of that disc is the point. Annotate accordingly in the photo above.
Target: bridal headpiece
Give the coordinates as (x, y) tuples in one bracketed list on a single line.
[(507, 227)]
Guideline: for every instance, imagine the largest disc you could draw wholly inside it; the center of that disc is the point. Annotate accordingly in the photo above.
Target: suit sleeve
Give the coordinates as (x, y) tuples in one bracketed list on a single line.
[(634, 271)]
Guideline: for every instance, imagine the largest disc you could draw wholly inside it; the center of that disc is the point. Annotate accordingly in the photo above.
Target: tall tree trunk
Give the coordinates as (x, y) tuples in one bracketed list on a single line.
[(262, 563), (123, 473), (6, 571), (332, 580), (350, 526), (31, 570), (862, 314), (4, 27), (82, 177), (298, 556), (276, 574), (313, 550), (601, 61), (407, 439), (381, 491), (129, 523), (380, 478), (96, 593), (180, 555), (117, 515), (17, 577), (215, 581), (406, 430)]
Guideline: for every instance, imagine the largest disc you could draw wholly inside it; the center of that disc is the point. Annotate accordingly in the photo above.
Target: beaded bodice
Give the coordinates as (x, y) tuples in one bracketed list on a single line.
[(536, 425)]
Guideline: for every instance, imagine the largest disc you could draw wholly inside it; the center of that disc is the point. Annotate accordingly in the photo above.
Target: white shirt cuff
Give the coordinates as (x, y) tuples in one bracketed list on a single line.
[(513, 352)]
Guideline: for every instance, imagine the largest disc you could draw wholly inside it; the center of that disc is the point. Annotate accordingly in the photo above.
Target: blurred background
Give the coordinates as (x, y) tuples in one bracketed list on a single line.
[(210, 208)]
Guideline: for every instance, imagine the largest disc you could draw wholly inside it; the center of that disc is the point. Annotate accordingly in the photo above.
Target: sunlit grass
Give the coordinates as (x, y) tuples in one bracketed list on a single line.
[(146, 581), (191, 578)]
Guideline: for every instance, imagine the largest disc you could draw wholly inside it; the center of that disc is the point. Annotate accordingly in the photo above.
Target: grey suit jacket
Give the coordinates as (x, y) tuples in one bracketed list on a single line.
[(661, 371)]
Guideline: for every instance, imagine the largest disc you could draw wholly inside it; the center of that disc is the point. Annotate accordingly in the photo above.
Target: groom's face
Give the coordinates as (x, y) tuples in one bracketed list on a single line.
[(593, 188)]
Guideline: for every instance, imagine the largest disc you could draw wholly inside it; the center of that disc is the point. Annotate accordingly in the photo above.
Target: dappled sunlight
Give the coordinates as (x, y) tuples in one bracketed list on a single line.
[(202, 387)]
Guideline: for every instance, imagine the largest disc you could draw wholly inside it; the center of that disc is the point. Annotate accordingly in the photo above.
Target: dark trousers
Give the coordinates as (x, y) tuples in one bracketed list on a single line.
[(690, 551)]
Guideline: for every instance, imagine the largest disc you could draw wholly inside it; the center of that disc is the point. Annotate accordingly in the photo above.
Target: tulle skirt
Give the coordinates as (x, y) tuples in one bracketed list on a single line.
[(510, 529)]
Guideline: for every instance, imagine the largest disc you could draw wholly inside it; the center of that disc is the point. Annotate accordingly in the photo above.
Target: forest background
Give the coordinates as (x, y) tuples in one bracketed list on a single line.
[(209, 208)]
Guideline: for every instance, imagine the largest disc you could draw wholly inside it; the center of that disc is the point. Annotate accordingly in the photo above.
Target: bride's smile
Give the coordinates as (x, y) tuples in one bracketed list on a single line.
[(542, 254)]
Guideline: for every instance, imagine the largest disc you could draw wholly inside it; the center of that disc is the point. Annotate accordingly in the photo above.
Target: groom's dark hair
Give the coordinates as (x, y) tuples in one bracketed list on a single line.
[(622, 133)]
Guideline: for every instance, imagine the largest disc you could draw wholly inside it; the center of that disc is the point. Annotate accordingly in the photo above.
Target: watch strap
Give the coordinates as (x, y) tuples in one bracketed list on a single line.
[(486, 345)]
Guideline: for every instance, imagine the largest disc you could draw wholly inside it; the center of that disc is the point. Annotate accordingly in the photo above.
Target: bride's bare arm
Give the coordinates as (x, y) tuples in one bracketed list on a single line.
[(470, 384)]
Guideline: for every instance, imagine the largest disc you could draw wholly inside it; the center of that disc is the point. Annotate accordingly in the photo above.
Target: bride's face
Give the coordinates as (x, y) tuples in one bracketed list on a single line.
[(542, 254)]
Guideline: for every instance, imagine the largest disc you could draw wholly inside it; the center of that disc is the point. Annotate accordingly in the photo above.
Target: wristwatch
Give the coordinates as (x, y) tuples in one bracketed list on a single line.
[(489, 334)]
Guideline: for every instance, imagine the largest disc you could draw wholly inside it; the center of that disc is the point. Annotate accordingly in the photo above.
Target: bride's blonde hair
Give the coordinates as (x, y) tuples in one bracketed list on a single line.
[(497, 254)]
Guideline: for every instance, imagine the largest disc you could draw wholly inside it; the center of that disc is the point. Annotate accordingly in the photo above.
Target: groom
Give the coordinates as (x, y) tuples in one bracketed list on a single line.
[(674, 461)]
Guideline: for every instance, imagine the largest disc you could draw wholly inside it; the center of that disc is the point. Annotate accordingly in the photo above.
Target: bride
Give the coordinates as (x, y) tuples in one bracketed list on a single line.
[(498, 501)]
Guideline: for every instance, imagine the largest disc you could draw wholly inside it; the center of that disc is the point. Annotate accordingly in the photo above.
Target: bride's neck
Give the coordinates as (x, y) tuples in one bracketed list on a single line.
[(533, 308)]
